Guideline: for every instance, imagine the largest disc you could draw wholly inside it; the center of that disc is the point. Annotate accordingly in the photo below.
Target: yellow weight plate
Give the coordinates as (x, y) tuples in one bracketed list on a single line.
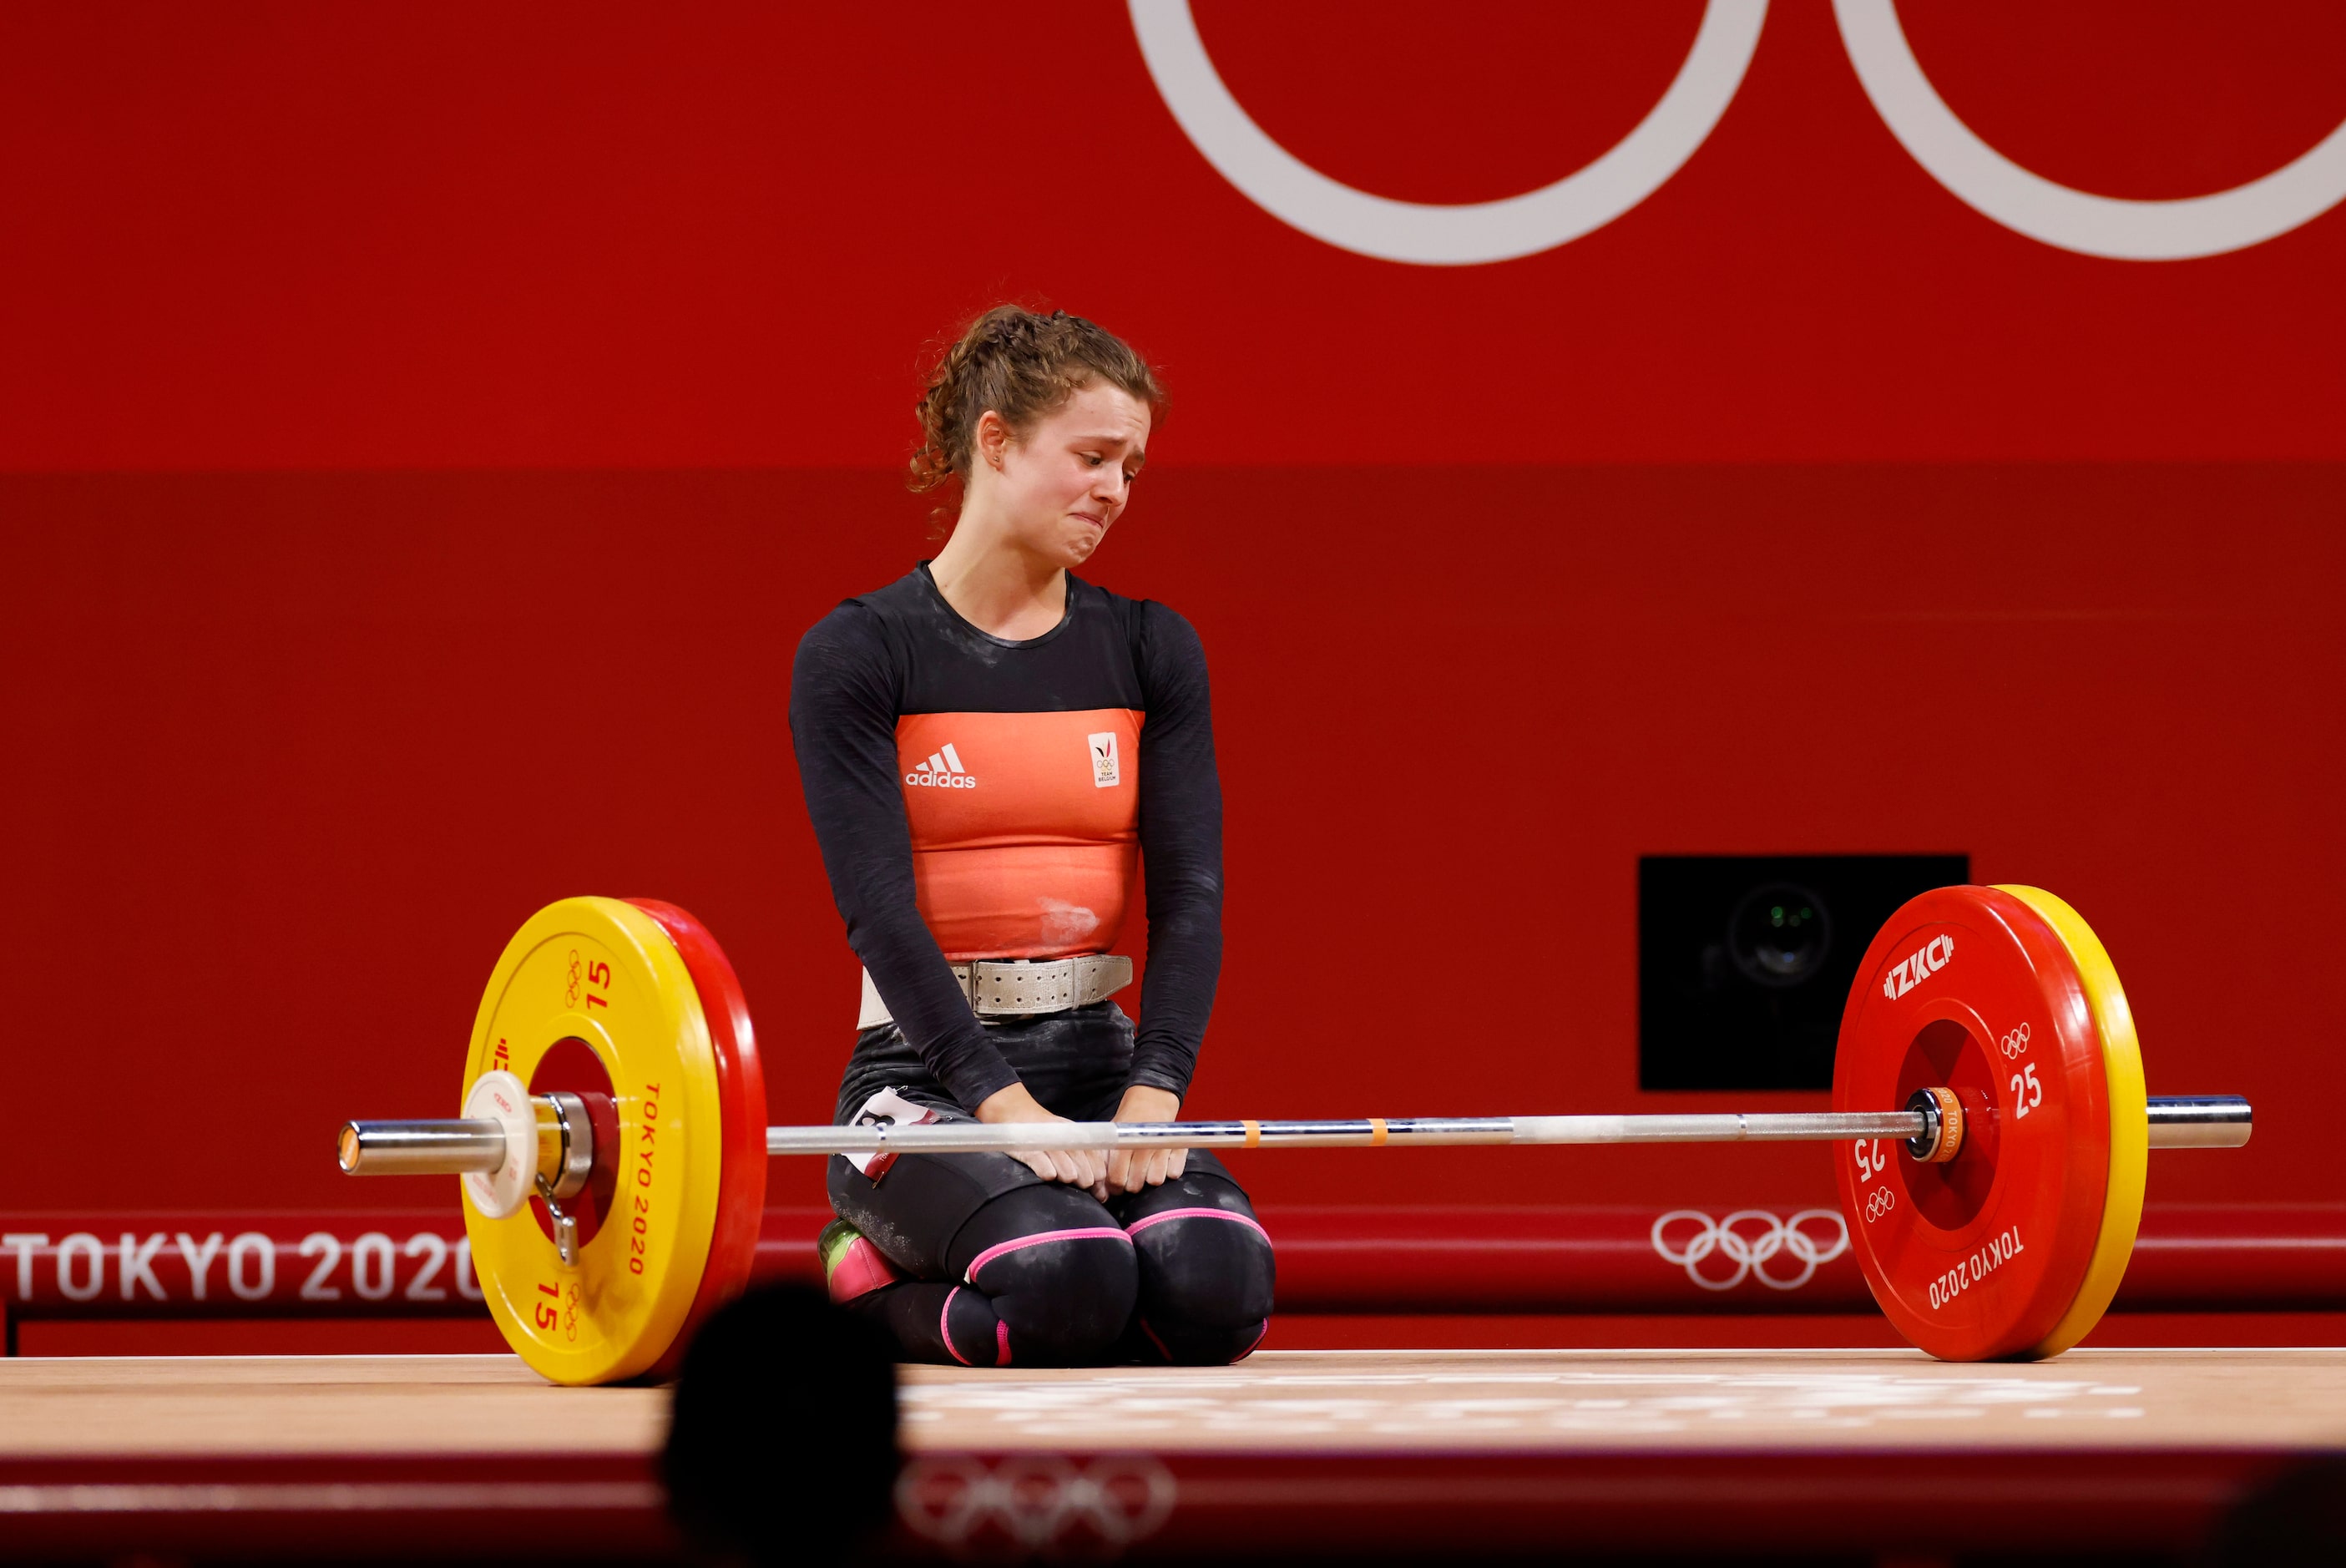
[(2129, 1120), (603, 972)]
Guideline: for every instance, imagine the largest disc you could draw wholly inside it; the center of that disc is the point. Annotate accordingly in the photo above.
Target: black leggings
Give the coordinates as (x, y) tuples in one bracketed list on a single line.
[(1004, 1269), (1008, 1271)]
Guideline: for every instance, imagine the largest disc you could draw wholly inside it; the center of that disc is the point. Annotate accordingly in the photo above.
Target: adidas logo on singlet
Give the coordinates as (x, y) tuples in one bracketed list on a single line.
[(942, 770)]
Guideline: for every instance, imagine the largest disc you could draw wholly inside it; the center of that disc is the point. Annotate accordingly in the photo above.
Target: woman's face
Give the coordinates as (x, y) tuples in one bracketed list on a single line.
[(1061, 486)]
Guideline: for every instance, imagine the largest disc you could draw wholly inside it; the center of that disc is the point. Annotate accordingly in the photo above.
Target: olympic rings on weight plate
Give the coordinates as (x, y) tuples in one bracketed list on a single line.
[(1467, 234), (1035, 1502), (2014, 1046), (1750, 1254)]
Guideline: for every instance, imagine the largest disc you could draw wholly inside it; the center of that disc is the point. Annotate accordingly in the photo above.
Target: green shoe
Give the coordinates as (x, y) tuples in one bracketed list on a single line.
[(851, 1266)]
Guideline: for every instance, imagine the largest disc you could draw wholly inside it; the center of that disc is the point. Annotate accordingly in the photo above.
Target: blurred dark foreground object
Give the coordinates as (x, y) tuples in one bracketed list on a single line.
[(2297, 1518), (782, 1443)]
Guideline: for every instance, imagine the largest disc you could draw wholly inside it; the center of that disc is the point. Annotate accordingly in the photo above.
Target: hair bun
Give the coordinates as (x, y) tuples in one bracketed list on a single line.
[(1020, 365)]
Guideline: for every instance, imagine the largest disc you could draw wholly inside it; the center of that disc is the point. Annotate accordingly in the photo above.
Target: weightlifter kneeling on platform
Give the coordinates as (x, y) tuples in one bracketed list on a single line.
[(989, 747)]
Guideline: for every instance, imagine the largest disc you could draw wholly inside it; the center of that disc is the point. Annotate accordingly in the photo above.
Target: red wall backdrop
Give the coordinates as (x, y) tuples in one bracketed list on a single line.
[(424, 432)]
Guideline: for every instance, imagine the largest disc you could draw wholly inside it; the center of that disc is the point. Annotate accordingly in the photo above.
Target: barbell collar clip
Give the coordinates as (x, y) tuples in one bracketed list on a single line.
[(565, 1145)]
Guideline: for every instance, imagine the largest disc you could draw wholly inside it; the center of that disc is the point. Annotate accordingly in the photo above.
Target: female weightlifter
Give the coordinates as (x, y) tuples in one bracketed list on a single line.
[(992, 748)]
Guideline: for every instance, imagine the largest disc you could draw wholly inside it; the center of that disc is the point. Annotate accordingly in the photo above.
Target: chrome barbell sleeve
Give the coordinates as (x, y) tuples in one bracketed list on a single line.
[(420, 1148), (2200, 1122)]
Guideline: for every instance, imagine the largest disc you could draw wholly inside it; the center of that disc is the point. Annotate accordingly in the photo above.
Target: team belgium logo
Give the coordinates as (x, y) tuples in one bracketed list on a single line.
[(1108, 767)]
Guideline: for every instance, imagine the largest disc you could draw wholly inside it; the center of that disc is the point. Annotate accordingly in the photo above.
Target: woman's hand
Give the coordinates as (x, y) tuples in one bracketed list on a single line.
[(1129, 1170), (1076, 1167)]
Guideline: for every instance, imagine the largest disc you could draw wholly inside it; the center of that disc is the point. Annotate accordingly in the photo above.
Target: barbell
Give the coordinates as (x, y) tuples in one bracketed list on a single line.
[(1988, 1084)]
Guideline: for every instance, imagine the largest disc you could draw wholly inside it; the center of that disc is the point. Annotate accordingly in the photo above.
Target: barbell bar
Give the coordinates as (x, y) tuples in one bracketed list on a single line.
[(457, 1146)]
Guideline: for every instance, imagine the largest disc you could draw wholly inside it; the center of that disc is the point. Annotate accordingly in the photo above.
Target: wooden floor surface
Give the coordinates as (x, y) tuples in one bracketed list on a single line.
[(1416, 1399), (1389, 1400)]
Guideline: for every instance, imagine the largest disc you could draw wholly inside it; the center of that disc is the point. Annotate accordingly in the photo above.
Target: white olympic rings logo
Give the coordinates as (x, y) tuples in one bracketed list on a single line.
[(2014, 1044), (1471, 233), (1035, 1502), (1880, 1201), (1751, 1253)]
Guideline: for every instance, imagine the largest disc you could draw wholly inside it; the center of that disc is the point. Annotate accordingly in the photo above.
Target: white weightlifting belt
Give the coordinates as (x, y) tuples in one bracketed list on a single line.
[(1015, 988)]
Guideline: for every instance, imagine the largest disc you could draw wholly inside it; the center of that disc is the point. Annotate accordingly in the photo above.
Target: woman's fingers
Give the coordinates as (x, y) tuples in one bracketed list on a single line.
[(1137, 1170), (1106, 1172), (1076, 1167), (1130, 1170)]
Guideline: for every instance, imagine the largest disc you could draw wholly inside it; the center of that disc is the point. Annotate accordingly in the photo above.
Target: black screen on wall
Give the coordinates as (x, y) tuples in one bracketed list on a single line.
[(1745, 962)]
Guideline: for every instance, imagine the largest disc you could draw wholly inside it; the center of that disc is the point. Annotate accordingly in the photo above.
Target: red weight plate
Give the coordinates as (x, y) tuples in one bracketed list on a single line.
[(1969, 989), (741, 1182)]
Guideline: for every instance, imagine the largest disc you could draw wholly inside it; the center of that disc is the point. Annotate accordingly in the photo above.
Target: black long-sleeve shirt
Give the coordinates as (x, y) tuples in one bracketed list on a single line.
[(1013, 757)]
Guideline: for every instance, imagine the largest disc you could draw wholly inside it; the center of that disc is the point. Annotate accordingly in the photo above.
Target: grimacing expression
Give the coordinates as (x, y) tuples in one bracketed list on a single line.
[(1066, 481)]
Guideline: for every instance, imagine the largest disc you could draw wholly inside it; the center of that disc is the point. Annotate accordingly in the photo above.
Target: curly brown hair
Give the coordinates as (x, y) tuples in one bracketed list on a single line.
[(1022, 365)]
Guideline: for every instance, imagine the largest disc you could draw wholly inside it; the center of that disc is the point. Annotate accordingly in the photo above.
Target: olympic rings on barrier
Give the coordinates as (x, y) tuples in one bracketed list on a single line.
[(1474, 233), (1035, 1502), (1750, 1254)]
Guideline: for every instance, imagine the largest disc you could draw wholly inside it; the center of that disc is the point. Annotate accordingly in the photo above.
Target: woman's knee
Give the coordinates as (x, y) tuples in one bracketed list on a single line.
[(1205, 1281), (1208, 1266), (913, 1213), (1206, 1271), (1059, 1273), (1206, 1297)]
